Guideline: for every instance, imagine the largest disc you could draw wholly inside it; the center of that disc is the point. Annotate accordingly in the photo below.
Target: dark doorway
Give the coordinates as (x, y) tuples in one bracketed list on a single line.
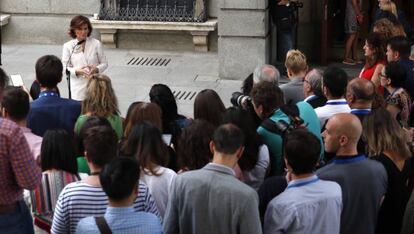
[(332, 34)]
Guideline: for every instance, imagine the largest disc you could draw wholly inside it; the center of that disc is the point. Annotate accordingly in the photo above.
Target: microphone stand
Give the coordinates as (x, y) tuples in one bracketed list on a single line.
[(67, 70)]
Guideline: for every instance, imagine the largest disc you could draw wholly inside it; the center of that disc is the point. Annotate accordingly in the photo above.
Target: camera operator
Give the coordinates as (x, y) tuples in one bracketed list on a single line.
[(283, 16), (267, 100)]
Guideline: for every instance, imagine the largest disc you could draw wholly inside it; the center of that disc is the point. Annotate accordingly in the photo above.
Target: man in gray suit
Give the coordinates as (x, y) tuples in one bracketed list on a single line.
[(212, 200), (296, 67)]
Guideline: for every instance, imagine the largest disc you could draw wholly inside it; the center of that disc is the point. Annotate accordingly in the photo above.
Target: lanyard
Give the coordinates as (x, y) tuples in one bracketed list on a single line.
[(360, 111), (346, 160), (48, 94), (337, 103), (300, 184)]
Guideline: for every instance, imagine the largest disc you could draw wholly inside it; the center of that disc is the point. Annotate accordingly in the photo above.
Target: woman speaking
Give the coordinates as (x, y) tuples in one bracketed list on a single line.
[(82, 56)]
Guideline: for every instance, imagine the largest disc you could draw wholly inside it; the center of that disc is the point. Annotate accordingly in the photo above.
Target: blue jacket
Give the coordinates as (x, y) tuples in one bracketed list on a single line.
[(51, 112)]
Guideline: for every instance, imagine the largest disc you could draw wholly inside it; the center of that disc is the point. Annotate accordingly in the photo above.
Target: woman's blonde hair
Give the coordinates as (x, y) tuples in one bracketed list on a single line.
[(391, 7), (382, 133), (100, 97), (296, 61)]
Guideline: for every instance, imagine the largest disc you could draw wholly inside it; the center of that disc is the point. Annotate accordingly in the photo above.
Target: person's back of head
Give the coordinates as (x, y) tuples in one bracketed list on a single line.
[(15, 104), (100, 145), (360, 91), (267, 73), (266, 97), (314, 80), (162, 95), (49, 70), (401, 45), (247, 85), (151, 151), (295, 63), (143, 112), (382, 133), (90, 122), (129, 112), (385, 28), (193, 150), (396, 74), (242, 119), (334, 82), (100, 97), (302, 151), (4, 79), (119, 179), (228, 139), (208, 106), (58, 152)]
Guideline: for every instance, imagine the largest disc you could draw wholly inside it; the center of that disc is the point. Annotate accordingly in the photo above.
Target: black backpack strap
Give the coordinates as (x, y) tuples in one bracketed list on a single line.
[(270, 126), (102, 225), (290, 110)]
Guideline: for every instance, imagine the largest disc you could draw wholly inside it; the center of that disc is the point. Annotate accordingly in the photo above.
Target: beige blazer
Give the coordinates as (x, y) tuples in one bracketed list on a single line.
[(92, 55)]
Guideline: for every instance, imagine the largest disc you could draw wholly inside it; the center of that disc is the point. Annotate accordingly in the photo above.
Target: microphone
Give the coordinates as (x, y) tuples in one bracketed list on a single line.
[(67, 70), (80, 43)]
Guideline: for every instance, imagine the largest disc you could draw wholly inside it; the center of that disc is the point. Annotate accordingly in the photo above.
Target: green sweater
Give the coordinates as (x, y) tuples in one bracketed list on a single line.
[(114, 120)]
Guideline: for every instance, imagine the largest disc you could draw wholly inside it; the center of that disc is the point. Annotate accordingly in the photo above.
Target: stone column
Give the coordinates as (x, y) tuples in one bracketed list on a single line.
[(243, 37)]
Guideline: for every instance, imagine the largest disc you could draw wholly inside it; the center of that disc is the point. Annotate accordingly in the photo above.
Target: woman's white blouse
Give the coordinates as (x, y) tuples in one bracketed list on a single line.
[(92, 55)]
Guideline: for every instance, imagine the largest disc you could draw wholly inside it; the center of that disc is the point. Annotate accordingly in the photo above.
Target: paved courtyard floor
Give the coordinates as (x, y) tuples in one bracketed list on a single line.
[(133, 72)]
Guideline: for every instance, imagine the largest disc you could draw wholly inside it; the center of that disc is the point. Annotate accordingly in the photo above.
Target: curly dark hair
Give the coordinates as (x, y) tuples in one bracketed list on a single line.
[(376, 43), (268, 95), (194, 145)]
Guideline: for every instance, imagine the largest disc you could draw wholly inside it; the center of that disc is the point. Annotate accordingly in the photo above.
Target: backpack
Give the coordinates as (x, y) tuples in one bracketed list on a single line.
[(281, 127)]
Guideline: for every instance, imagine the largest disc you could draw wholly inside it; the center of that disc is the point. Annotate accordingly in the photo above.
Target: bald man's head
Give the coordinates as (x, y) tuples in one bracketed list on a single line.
[(342, 133), (360, 91)]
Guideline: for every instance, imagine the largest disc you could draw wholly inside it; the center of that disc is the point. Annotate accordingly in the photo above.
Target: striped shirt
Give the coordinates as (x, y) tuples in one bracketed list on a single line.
[(79, 200), (45, 196)]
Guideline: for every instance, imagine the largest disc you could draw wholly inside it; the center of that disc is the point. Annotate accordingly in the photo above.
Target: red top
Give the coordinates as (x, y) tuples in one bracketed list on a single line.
[(367, 73)]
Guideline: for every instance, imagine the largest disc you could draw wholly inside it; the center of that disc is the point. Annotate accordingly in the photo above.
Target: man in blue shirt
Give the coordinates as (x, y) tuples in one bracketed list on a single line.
[(51, 111), (119, 181), (363, 181), (308, 205)]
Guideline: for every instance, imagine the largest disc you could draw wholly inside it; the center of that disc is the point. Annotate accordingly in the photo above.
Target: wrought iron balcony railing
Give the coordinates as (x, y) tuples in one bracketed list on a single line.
[(154, 10)]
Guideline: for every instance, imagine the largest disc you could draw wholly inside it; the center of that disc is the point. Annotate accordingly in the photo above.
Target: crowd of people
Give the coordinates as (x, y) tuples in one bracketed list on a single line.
[(323, 153)]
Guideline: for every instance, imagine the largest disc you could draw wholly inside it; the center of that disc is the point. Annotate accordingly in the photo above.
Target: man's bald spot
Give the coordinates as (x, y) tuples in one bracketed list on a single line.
[(362, 89), (348, 125)]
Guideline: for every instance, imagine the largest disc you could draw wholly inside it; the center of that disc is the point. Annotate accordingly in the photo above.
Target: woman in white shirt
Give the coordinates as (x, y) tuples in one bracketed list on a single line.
[(152, 155), (82, 56)]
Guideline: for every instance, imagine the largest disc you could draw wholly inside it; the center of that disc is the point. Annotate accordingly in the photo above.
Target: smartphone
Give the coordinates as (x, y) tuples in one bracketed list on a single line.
[(16, 80), (167, 139)]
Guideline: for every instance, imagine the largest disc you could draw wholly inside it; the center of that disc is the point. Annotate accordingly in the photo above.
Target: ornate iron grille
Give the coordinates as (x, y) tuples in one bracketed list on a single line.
[(154, 10)]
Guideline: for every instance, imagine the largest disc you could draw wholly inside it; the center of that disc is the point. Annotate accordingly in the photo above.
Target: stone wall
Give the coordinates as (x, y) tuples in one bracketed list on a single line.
[(243, 37), (47, 22)]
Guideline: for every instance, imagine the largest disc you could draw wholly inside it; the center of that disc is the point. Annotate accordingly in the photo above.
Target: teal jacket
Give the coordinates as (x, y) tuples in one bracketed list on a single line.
[(274, 141)]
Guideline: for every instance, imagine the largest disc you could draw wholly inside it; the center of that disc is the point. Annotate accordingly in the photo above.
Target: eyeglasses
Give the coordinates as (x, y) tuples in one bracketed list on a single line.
[(382, 75)]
